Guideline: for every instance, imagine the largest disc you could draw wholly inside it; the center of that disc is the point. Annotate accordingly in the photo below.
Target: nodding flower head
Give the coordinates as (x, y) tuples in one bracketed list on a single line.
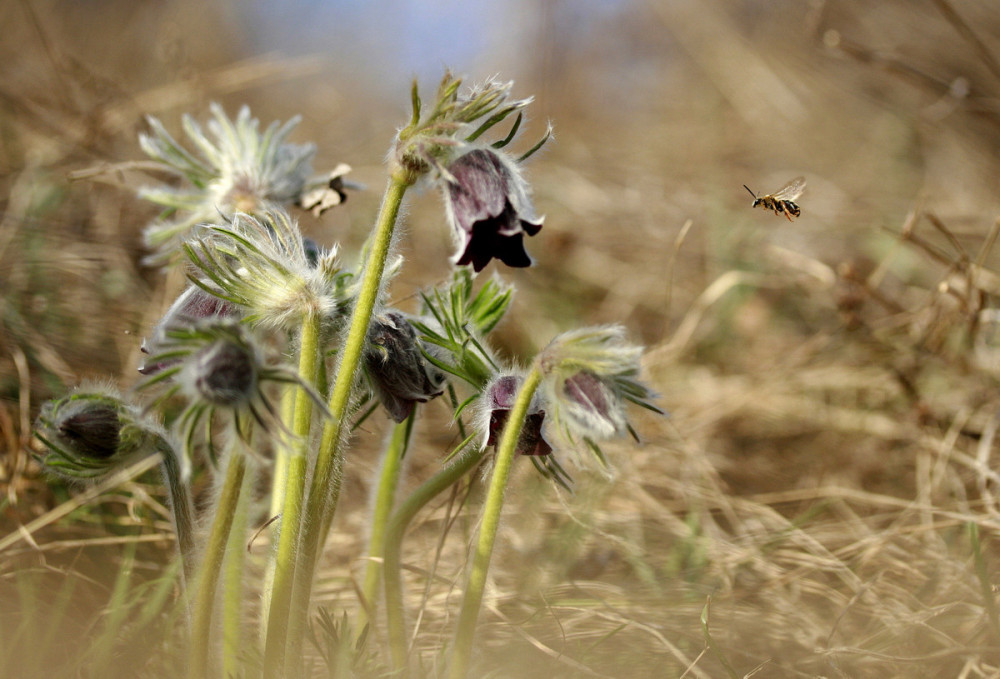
[(93, 432), (220, 367), (493, 411), (396, 368), (262, 264), (588, 375), (236, 168), (487, 204)]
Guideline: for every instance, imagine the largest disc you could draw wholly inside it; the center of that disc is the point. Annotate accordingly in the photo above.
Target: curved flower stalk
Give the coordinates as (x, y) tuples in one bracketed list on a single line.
[(93, 432), (235, 167)]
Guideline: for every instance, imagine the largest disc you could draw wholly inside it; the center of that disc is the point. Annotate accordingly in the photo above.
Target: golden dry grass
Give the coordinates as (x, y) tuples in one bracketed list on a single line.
[(826, 476)]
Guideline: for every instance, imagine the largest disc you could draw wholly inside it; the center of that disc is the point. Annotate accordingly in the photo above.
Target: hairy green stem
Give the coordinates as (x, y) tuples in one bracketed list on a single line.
[(232, 606), (279, 482), (394, 608), (324, 491), (182, 509), (385, 498), (473, 599), (291, 515), (208, 575)]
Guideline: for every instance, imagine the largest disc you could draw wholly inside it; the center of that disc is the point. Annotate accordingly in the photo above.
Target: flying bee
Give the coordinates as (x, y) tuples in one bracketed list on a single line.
[(782, 201)]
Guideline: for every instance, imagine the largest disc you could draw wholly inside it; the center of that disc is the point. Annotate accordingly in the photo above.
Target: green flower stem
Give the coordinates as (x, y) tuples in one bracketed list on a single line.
[(473, 599), (232, 606), (324, 492), (394, 608), (208, 577), (291, 515), (181, 507), (385, 498), (279, 482)]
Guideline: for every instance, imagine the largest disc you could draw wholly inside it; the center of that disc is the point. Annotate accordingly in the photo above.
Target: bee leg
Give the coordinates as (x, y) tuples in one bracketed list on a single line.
[(788, 216)]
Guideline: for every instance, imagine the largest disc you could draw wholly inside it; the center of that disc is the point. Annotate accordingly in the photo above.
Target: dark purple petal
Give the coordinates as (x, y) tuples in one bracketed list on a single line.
[(501, 395), (589, 392), (483, 198), (93, 432)]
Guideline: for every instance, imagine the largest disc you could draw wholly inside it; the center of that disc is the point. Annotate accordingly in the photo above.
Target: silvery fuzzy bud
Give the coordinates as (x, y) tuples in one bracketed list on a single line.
[(92, 433), (487, 204), (396, 368), (495, 403)]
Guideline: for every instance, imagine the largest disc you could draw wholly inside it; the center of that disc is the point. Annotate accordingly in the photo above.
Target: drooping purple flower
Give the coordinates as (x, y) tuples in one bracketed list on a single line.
[(499, 399), (191, 306), (489, 210), (396, 368)]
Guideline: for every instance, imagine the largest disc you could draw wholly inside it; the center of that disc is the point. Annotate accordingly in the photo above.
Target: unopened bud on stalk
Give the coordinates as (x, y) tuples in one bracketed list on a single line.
[(92, 433), (396, 368)]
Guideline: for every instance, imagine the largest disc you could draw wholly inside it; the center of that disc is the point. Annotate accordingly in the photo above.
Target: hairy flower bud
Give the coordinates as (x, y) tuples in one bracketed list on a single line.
[(497, 400), (92, 433), (398, 373), (488, 208)]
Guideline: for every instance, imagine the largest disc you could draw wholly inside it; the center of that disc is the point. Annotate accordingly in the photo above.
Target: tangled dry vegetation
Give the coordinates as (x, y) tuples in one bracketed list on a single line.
[(823, 499)]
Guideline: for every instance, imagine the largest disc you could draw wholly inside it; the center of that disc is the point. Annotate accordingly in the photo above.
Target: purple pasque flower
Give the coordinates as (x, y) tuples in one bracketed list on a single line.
[(396, 369), (489, 210), (498, 399)]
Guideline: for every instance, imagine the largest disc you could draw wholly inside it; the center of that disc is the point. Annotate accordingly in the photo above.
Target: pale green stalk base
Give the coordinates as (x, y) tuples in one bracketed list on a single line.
[(208, 576), (279, 483), (182, 510), (385, 498), (394, 608), (291, 515), (232, 607), (473, 599), (324, 492)]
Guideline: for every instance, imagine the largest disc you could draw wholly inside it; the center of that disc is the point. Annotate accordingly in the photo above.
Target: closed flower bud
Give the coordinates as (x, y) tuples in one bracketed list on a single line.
[(397, 371), (92, 433), (497, 400), (488, 208)]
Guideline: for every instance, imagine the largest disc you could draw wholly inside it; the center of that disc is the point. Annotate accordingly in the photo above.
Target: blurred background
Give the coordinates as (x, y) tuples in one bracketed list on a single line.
[(830, 380)]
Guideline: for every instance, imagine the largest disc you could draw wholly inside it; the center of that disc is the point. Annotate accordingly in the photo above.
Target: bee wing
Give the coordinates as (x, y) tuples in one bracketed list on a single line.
[(791, 190)]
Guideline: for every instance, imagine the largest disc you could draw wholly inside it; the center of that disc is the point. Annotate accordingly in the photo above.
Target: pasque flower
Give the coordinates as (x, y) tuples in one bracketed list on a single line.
[(236, 168), (495, 403), (396, 369), (262, 264), (485, 196), (487, 204)]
